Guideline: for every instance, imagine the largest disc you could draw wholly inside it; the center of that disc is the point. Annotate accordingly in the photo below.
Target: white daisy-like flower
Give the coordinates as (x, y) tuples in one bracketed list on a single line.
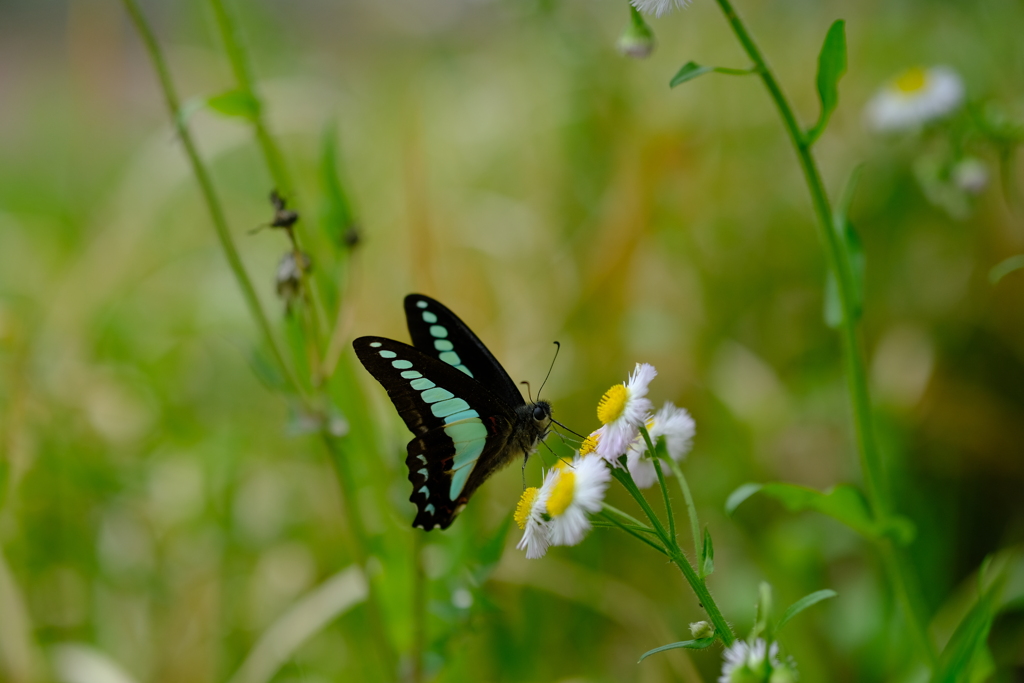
[(530, 516), (677, 427), (621, 410), (914, 98), (749, 661), (574, 491), (658, 7)]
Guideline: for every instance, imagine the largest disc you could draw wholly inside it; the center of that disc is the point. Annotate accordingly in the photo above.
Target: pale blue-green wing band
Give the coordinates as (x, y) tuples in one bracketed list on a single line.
[(469, 436)]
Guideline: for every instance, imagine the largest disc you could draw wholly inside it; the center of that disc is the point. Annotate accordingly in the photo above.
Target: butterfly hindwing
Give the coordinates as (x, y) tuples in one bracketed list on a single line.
[(439, 333), (460, 429), (447, 465)]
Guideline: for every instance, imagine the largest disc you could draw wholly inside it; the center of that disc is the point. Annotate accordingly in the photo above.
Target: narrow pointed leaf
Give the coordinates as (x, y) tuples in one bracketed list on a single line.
[(1004, 268), (737, 497), (708, 554), (966, 649), (235, 103), (831, 67), (802, 604), (844, 503), (685, 644), (688, 72)]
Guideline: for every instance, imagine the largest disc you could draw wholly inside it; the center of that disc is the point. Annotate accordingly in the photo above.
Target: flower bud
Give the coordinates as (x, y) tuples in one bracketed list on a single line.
[(289, 275), (637, 39), (701, 629)]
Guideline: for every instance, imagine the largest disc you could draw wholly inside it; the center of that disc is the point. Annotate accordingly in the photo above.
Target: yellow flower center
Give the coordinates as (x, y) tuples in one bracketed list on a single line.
[(912, 80), (525, 506), (611, 405), (589, 445), (562, 493)]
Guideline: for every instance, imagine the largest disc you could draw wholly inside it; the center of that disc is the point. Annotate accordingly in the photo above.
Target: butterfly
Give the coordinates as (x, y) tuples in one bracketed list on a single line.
[(467, 416)]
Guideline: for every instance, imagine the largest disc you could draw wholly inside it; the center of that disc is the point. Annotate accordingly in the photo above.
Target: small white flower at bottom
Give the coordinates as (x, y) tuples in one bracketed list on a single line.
[(658, 7), (914, 98), (575, 491), (749, 661), (621, 410), (529, 516), (678, 428)]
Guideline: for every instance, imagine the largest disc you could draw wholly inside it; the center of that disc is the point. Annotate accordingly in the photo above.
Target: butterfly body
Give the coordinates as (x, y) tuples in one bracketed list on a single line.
[(467, 416)]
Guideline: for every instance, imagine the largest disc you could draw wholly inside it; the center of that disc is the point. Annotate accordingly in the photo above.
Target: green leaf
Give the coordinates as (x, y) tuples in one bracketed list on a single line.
[(692, 70), (1004, 268), (967, 648), (737, 497), (235, 103), (687, 644), (802, 604), (854, 248), (762, 627), (831, 67), (688, 72), (707, 554), (337, 217), (843, 503)]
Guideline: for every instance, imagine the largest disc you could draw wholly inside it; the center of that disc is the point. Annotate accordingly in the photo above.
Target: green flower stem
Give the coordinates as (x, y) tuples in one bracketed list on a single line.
[(234, 46), (661, 483), (624, 478), (671, 549), (839, 264), (628, 517), (632, 532), (209, 195), (691, 509), (243, 75)]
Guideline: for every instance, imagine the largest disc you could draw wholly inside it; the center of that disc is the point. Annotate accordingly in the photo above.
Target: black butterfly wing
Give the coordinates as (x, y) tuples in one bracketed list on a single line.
[(438, 332), (460, 428)]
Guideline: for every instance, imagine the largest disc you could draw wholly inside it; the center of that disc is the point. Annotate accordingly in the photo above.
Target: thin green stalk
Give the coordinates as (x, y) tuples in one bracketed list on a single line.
[(233, 45), (209, 195), (700, 589), (626, 480), (691, 510), (839, 264), (661, 483), (635, 534), (237, 55), (673, 552), (628, 517)]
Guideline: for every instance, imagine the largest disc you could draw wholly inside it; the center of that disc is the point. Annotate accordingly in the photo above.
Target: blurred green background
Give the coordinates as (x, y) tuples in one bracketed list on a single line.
[(162, 510)]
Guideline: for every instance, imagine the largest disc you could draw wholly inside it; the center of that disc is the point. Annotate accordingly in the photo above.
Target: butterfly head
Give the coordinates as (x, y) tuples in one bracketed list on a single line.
[(541, 411)]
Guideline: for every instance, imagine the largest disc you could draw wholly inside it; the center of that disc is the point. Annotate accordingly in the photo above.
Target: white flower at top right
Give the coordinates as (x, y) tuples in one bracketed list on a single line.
[(914, 98), (677, 427)]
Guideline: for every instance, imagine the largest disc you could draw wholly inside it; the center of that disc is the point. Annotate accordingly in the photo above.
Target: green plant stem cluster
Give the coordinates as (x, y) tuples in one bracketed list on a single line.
[(903, 581), (274, 160), (665, 539)]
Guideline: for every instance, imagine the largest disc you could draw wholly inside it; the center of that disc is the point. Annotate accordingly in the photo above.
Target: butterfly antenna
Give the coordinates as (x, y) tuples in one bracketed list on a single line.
[(557, 457), (567, 429), (558, 347), (528, 390)]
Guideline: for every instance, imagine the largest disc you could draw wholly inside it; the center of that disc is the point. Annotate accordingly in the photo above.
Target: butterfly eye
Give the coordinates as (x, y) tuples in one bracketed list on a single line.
[(540, 412)]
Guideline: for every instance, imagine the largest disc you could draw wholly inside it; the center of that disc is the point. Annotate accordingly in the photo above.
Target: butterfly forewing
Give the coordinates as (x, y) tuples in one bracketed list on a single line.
[(460, 427), (439, 333)]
